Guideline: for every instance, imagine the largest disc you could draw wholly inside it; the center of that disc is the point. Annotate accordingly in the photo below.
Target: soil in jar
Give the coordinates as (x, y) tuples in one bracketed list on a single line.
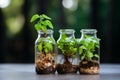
[(45, 64), (89, 67), (67, 67)]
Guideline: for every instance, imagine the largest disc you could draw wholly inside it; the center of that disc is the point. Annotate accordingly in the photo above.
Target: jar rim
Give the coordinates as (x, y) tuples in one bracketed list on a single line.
[(49, 31), (67, 30), (88, 30)]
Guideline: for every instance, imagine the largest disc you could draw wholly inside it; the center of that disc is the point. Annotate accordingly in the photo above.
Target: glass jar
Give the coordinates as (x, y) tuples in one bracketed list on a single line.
[(45, 53), (89, 52), (67, 49)]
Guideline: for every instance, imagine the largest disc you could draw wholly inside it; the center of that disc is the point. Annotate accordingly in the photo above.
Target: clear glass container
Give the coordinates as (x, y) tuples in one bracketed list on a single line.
[(45, 53), (67, 52), (89, 52)]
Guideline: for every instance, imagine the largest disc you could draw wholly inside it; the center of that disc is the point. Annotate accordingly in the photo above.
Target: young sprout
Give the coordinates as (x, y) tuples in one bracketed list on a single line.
[(67, 46), (43, 22), (87, 48)]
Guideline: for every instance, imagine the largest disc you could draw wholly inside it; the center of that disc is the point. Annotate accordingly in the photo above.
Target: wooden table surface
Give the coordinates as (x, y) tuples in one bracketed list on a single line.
[(26, 72)]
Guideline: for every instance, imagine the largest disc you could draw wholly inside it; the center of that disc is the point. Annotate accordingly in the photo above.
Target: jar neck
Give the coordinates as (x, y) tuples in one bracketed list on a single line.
[(68, 32), (49, 33), (89, 32)]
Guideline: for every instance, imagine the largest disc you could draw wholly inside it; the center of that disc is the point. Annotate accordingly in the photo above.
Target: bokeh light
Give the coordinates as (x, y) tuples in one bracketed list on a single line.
[(70, 4), (4, 3)]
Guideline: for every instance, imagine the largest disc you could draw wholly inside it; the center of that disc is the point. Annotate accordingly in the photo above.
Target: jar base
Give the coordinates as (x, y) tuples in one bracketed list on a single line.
[(48, 70), (67, 68), (89, 67)]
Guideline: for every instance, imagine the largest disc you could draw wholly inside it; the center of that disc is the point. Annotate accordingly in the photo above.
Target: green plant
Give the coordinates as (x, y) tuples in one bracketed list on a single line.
[(87, 48), (45, 46), (68, 47), (43, 23)]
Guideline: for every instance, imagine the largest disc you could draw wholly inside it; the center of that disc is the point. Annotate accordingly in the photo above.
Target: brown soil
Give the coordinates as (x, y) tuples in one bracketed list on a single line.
[(48, 70), (66, 68), (45, 64), (89, 67)]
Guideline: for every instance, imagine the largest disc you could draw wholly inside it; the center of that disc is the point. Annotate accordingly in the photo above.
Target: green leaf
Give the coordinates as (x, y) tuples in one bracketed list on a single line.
[(46, 17), (43, 23), (97, 46), (80, 50), (82, 57), (83, 42), (64, 36), (87, 47), (48, 46), (41, 17), (40, 40), (51, 40), (44, 29), (34, 17), (91, 45), (49, 24), (96, 55), (38, 26), (83, 47), (74, 50), (89, 55), (46, 50), (40, 47), (67, 45), (86, 36)]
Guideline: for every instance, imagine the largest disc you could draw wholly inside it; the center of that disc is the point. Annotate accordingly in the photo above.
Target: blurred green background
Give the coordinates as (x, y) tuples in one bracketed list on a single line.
[(17, 34)]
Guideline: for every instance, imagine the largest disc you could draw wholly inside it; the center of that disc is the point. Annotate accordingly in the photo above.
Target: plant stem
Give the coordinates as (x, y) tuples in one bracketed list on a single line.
[(45, 34), (66, 60), (43, 42)]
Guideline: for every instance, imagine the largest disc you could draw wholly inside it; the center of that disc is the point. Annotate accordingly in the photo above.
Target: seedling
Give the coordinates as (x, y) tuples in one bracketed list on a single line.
[(44, 46), (68, 47), (89, 48), (43, 22), (88, 45)]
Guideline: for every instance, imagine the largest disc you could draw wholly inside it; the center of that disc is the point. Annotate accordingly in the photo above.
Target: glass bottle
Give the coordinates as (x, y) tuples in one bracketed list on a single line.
[(45, 53), (67, 49), (89, 52)]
